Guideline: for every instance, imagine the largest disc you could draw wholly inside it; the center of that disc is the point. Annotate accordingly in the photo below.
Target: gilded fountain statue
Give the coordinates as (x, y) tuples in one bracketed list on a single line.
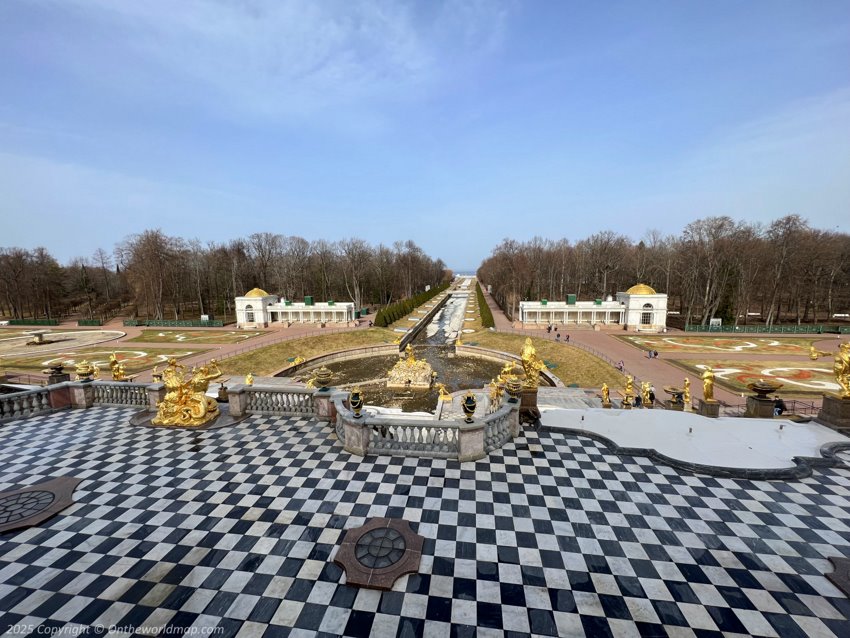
[(410, 372), (185, 403)]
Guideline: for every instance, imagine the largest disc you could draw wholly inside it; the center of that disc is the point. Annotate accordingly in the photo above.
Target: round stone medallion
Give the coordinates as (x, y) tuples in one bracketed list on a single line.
[(380, 548), (16, 507)]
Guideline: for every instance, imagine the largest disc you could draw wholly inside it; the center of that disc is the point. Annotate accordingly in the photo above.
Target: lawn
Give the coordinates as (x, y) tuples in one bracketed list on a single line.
[(798, 377), (133, 360), (269, 359), (571, 364), (721, 345), (196, 336)]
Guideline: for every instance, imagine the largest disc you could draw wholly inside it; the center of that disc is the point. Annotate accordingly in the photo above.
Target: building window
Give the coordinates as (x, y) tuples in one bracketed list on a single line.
[(249, 314), (646, 315)]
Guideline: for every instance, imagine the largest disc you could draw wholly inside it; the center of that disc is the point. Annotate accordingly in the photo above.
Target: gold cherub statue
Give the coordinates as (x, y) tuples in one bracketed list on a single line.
[(117, 368), (630, 386), (686, 394), (708, 384), (606, 394), (444, 394), (840, 367), (644, 392), (531, 364), (186, 403)]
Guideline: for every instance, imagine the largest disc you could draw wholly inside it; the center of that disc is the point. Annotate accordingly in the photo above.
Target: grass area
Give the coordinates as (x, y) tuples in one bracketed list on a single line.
[(721, 345), (133, 360), (798, 377), (573, 365), (13, 333), (270, 359), (196, 336)]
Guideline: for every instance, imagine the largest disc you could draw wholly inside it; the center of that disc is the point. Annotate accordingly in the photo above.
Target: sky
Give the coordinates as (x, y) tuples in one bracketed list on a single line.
[(454, 124)]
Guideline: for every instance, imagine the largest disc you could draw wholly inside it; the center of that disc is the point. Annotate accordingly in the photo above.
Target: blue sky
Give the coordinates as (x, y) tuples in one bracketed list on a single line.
[(454, 124)]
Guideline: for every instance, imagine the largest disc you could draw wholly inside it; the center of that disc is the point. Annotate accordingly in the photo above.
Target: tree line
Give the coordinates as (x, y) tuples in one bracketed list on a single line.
[(155, 276), (781, 272)]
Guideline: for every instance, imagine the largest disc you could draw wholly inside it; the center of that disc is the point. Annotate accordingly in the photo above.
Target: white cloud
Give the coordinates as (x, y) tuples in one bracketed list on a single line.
[(282, 56)]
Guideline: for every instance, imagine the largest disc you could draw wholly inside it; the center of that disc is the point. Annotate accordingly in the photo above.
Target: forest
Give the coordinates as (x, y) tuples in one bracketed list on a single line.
[(742, 273), (154, 276)]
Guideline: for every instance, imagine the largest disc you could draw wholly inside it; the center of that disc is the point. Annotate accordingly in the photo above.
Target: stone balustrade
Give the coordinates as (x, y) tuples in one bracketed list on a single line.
[(21, 405), (383, 434), (120, 393), (278, 399), (401, 436)]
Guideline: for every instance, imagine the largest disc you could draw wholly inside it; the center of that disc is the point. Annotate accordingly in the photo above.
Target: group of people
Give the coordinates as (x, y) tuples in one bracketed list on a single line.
[(652, 354), (557, 334)]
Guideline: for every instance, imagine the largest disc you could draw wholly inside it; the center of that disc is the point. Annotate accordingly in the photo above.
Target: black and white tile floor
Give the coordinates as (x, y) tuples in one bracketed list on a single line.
[(234, 529)]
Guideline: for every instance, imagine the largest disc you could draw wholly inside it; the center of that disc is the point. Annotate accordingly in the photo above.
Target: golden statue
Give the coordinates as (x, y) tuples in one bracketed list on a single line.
[(630, 386), (606, 394), (84, 370), (814, 353), (840, 366), (708, 385), (686, 394), (644, 392), (496, 391), (186, 403), (249, 379), (444, 394), (117, 368), (411, 359), (531, 364)]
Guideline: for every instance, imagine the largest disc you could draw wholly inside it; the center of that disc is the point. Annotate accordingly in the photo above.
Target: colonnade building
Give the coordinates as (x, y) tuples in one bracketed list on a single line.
[(257, 309), (640, 308)]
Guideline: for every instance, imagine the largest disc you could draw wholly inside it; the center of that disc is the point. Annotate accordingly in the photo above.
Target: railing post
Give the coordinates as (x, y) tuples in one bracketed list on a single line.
[(470, 445), (325, 408), (59, 396), (237, 398), (513, 420), (356, 434), (82, 394), (156, 393)]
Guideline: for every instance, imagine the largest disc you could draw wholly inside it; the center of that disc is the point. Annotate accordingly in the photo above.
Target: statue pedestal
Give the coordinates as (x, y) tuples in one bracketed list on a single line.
[(759, 407), (710, 408), (528, 411), (674, 405), (835, 412), (607, 405)]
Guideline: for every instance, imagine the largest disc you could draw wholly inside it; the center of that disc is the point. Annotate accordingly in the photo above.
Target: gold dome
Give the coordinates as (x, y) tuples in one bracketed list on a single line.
[(641, 289), (257, 292)]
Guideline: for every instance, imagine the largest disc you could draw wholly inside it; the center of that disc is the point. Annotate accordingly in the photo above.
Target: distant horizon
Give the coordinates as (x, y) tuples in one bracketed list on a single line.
[(454, 124)]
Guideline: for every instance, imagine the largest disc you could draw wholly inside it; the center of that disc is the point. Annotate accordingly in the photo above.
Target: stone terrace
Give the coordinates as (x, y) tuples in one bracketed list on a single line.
[(237, 528)]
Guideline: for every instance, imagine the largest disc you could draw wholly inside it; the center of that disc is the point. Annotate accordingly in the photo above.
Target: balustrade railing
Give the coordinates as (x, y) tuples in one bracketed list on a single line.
[(438, 439), (21, 405), (120, 393), (271, 400), (497, 429)]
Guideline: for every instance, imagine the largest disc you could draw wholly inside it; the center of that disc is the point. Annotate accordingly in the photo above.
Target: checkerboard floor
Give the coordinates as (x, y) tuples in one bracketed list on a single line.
[(235, 529)]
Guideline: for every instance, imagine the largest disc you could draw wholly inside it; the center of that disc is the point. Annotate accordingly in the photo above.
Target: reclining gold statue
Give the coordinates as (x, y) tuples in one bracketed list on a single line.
[(186, 403)]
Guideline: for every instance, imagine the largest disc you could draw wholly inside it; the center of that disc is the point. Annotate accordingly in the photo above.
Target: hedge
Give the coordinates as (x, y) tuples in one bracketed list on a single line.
[(399, 309), (486, 315)]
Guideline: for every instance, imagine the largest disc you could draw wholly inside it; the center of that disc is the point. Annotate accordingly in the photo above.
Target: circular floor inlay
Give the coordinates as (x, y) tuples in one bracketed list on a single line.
[(20, 506), (380, 548)]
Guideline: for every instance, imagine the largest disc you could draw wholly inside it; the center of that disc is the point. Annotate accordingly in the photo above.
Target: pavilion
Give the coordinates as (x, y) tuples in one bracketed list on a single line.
[(258, 309), (640, 309)]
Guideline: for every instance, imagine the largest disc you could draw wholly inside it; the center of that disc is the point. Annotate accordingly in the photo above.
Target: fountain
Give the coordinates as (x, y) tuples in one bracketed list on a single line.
[(410, 373), (431, 369)]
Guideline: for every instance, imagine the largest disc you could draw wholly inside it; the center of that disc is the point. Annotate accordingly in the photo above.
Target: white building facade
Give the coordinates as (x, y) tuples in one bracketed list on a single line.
[(259, 309), (640, 308)]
